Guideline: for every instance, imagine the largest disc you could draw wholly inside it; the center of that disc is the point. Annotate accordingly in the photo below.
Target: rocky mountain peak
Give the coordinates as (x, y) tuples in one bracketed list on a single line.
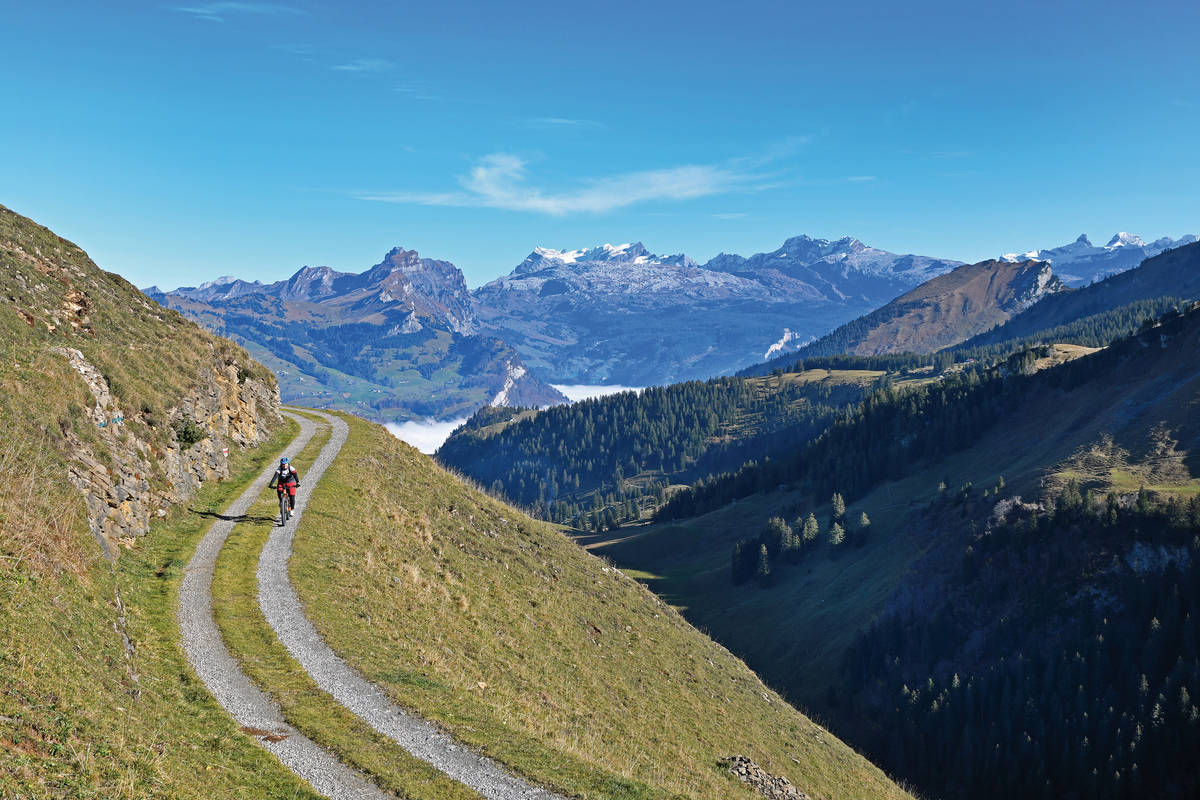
[(1123, 239), (430, 288), (310, 283)]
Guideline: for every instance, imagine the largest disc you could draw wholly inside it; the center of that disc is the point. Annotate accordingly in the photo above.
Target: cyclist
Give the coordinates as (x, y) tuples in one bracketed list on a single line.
[(286, 479)]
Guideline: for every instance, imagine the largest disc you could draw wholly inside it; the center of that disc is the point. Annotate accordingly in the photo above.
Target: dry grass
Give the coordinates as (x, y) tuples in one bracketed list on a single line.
[(40, 516), (80, 717), (501, 630)]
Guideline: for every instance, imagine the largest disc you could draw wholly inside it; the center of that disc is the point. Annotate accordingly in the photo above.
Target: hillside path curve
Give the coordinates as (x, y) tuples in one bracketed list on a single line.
[(249, 706), (285, 614)]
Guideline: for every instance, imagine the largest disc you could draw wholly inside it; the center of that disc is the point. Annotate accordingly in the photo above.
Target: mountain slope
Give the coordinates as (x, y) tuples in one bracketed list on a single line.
[(1174, 274), (1112, 421), (610, 460), (1080, 262), (940, 312), (97, 700), (620, 314), (395, 342)]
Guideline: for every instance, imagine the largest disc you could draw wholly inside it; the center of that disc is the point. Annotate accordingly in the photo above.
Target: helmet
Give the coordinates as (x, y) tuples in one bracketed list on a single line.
[(283, 461)]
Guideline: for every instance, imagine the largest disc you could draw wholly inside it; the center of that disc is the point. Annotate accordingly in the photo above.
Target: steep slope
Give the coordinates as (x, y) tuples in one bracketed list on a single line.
[(397, 341), (1172, 274), (114, 410), (498, 628), (941, 312), (932, 470), (1080, 262), (135, 403), (620, 314)]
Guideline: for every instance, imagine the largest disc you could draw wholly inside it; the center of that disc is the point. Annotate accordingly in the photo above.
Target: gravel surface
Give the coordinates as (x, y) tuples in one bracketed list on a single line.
[(251, 708), (284, 612)]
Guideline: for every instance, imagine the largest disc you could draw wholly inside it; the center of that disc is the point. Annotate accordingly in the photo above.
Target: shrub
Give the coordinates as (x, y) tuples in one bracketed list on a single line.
[(188, 432)]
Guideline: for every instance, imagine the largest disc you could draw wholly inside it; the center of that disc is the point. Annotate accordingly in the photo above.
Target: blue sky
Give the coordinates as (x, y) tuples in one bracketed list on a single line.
[(183, 140)]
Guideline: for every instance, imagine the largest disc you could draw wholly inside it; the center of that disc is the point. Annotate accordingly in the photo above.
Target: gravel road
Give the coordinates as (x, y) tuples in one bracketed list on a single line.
[(285, 614), (250, 707)]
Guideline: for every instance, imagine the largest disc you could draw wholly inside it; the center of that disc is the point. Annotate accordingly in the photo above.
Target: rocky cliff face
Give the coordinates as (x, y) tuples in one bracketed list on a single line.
[(126, 480), (135, 405)]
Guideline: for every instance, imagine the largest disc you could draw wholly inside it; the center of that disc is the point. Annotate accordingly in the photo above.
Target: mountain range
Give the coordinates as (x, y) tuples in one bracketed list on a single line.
[(396, 341), (1081, 262), (406, 338), (621, 314)]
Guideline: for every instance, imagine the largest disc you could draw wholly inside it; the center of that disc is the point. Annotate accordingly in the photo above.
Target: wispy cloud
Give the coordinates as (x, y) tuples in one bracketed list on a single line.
[(861, 178), (501, 180), (416, 91), (560, 122), (219, 11), (365, 65)]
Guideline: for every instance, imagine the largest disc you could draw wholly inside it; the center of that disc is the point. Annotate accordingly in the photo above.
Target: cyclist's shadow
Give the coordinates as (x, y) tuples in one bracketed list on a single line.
[(235, 518)]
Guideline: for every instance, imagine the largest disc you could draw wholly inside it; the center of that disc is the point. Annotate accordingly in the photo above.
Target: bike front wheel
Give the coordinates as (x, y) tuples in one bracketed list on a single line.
[(285, 510)]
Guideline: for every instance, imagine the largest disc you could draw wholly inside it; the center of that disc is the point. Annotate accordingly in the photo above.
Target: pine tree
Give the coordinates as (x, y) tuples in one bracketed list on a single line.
[(837, 534), (862, 530), (762, 572), (777, 535), (812, 530), (838, 506)]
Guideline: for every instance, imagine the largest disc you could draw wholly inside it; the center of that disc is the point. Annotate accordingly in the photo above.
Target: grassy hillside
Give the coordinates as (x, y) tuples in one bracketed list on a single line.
[(97, 699), (497, 627), (86, 712)]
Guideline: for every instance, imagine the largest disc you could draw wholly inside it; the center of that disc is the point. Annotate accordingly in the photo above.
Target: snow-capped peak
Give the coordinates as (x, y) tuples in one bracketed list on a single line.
[(627, 253), (1081, 261), (1124, 239), (221, 281), (565, 256)]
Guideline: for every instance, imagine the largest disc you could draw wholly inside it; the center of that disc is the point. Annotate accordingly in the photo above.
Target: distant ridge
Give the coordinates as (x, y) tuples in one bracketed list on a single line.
[(1081, 262), (939, 313)]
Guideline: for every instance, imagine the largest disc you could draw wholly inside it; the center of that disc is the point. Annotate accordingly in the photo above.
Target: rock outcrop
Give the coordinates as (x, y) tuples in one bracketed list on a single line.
[(127, 480)]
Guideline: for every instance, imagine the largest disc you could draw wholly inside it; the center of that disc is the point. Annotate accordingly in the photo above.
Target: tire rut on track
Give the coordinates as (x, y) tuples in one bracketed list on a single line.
[(249, 706), (285, 614)]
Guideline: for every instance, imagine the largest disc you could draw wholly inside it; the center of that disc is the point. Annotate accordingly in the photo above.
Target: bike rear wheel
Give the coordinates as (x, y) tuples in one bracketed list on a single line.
[(285, 510)]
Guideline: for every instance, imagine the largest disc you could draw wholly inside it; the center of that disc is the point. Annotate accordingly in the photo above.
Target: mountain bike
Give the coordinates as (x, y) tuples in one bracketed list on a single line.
[(285, 508)]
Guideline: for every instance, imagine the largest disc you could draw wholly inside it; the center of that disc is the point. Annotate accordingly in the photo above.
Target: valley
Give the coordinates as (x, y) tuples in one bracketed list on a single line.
[(599, 401), (442, 597), (950, 465)]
